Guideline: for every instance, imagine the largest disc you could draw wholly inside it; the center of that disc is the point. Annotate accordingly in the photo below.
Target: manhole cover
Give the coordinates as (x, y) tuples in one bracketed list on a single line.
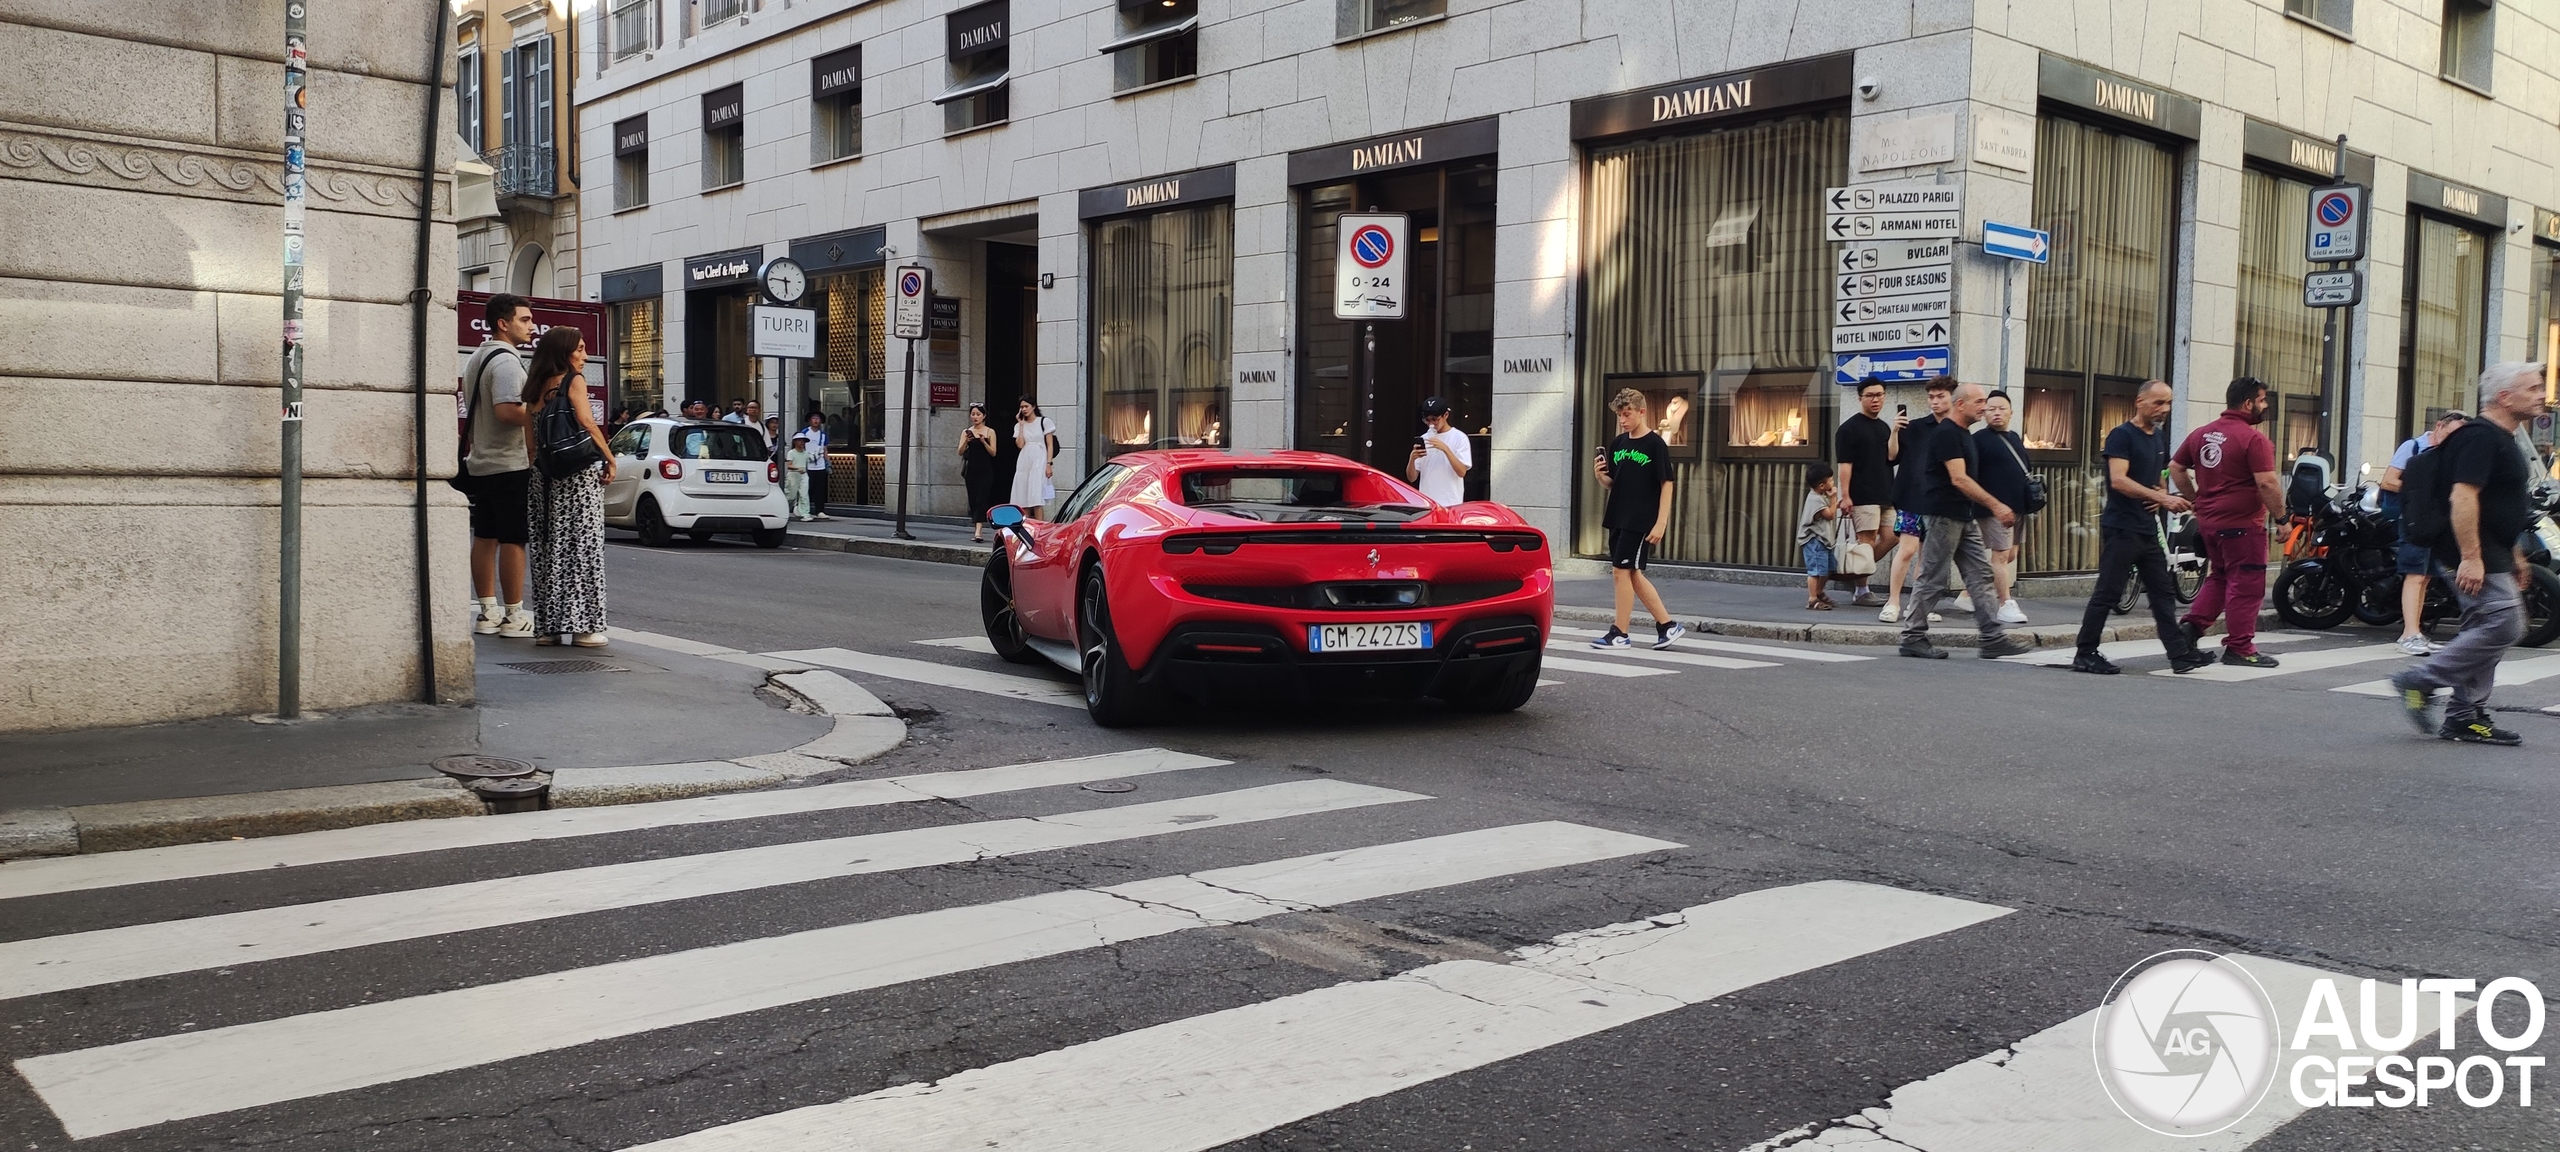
[(563, 667), (482, 767), (1111, 786), (507, 789)]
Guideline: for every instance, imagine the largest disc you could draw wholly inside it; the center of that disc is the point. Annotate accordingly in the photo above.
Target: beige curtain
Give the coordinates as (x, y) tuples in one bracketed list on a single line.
[(2278, 339), (1162, 312), (2111, 201), (2448, 311)]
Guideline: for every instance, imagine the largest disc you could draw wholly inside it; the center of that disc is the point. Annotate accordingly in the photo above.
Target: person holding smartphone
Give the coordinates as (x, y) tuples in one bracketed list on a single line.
[(1441, 457), (1635, 469)]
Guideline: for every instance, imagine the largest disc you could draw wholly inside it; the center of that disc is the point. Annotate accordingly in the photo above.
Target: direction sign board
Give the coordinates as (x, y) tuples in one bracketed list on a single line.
[(1892, 225), (2337, 223), (1893, 196), (1885, 255), (908, 291), (789, 332), (1853, 368), (1369, 266), (2016, 242), (2333, 289), (1938, 278), (1934, 306), (1888, 337)]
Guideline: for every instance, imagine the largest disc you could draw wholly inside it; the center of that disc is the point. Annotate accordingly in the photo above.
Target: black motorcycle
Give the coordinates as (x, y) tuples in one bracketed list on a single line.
[(2340, 562)]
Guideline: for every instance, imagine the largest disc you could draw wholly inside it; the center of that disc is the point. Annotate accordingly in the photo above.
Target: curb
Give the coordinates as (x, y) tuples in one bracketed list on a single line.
[(929, 551), (864, 729)]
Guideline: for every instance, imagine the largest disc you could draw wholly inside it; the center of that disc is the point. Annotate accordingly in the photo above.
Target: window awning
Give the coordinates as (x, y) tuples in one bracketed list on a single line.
[(973, 86), (1151, 35)]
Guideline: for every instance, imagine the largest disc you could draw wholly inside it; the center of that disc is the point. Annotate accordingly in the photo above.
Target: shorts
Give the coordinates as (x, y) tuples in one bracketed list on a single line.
[(2410, 559), (1866, 516), (1627, 549), (1996, 536), (1908, 524), (1817, 559), (498, 505)]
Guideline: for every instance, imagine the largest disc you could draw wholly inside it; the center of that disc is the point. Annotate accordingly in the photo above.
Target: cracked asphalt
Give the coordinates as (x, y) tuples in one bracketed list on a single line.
[(2117, 816)]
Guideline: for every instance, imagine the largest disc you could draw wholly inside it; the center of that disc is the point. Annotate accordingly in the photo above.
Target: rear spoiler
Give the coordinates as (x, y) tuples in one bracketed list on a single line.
[(1221, 543)]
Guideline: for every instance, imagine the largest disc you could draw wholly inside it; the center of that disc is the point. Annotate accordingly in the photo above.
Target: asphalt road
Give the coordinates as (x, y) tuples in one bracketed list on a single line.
[(2068, 827)]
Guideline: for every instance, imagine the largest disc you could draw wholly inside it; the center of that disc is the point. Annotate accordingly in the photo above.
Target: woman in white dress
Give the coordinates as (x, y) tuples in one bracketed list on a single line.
[(1036, 465)]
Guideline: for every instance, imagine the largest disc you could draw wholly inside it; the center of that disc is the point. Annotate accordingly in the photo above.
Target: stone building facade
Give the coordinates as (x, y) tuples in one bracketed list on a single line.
[(1131, 208), (512, 81), (140, 328)]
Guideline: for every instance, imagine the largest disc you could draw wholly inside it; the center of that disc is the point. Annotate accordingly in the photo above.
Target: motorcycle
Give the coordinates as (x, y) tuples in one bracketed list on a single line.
[(2340, 563), (2184, 543)]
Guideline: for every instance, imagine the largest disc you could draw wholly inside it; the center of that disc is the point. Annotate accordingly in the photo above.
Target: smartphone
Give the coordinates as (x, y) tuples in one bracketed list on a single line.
[(1901, 409), (1419, 443)]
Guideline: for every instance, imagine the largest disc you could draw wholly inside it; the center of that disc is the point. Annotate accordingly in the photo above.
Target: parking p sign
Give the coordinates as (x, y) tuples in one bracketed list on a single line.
[(1369, 266), (2337, 223), (907, 295)]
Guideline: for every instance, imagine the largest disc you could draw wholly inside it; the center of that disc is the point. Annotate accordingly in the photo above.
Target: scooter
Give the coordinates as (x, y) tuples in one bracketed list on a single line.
[(2339, 562)]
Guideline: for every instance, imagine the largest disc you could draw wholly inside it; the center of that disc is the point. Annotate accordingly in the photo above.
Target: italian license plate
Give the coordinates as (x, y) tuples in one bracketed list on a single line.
[(717, 476), (1367, 637)]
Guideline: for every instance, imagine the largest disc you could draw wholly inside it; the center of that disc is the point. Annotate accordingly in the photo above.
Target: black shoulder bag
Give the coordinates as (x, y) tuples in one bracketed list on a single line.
[(2036, 495), (562, 447), (461, 478)]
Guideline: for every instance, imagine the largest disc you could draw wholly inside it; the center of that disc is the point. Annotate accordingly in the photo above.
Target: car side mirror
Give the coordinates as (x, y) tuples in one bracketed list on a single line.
[(1005, 515)]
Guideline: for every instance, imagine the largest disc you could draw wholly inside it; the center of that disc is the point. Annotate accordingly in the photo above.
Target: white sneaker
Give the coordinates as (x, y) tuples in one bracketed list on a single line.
[(822, 516), (2417, 646), (1934, 618), (487, 623), (1888, 614), (517, 627), (590, 640), (1964, 603), (2010, 613)]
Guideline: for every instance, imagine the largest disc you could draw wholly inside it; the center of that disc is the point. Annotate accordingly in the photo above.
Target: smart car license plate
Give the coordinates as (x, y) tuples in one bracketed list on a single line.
[(717, 476), (1367, 637)]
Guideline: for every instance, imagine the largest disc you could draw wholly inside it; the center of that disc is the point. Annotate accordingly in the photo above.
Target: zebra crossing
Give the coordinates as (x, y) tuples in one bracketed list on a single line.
[(1187, 1084)]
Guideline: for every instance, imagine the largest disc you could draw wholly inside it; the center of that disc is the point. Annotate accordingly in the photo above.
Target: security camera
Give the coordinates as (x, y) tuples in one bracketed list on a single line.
[(1867, 87)]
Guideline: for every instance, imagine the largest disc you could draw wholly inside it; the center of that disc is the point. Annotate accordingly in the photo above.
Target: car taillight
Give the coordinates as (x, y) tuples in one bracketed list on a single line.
[(671, 469), (772, 472)]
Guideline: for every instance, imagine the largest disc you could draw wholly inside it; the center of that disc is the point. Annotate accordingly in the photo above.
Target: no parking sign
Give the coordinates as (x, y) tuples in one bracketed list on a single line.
[(2337, 224), (907, 295), (1369, 266)]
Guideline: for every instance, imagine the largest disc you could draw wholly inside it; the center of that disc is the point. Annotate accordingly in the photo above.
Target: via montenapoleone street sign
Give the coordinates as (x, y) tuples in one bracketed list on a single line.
[(2337, 224), (1369, 266), (2016, 242)]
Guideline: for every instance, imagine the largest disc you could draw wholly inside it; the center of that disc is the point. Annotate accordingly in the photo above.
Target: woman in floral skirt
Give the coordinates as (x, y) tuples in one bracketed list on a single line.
[(564, 549)]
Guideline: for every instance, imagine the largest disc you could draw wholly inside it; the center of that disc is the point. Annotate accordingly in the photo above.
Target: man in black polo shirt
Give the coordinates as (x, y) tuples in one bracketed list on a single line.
[(1866, 446), (2129, 532), (2486, 479), (1909, 487), (1952, 504)]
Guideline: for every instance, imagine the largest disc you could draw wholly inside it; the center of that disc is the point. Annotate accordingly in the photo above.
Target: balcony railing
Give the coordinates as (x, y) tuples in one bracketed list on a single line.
[(524, 170)]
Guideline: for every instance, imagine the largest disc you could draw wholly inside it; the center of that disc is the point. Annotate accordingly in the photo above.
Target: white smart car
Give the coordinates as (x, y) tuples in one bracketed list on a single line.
[(698, 477)]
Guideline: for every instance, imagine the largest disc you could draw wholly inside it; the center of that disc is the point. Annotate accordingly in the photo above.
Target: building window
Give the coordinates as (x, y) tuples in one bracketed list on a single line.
[(631, 163), (627, 32), (980, 64), (724, 137), (1163, 307), (1707, 263), (2277, 338), (524, 160), (640, 372), (2336, 15), (2443, 342), (835, 105), (1353, 17), (2469, 41), (2542, 334), (848, 382), (1159, 41), (721, 11), (466, 99)]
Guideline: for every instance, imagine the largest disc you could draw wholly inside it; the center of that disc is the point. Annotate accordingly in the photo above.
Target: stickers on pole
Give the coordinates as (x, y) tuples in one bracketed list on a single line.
[(908, 292), (1369, 266)]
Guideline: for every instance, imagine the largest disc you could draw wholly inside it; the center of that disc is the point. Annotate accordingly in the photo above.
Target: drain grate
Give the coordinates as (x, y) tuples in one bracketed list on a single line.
[(563, 667)]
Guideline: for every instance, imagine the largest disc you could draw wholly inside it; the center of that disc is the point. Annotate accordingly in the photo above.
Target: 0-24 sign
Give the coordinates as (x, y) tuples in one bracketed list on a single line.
[(1369, 266)]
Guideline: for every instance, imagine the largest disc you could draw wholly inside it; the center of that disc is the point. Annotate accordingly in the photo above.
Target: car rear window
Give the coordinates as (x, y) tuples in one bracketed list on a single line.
[(1289, 493), (717, 442)]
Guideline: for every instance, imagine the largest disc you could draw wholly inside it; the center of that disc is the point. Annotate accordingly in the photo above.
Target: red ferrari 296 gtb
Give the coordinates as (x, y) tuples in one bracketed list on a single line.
[(1280, 576)]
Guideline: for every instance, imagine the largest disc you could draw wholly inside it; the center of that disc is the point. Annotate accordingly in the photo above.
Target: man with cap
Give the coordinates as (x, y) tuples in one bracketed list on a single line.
[(1441, 457)]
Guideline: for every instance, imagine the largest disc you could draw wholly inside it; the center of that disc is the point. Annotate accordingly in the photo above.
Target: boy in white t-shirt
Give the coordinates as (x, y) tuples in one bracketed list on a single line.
[(795, 477), (1441, 457)]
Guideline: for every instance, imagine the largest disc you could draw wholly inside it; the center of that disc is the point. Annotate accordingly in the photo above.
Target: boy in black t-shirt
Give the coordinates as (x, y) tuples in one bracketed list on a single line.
[(1636, 470)]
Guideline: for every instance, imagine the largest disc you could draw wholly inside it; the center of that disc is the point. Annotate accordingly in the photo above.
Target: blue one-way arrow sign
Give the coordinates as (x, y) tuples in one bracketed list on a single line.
[(1852, 368), (2016, 243)]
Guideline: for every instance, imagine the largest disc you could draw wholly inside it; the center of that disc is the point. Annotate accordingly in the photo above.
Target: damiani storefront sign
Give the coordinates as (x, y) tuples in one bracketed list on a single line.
[(1759, 90)]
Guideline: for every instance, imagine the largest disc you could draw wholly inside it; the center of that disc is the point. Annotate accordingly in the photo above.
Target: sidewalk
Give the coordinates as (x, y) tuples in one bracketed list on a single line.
[(620, 724)]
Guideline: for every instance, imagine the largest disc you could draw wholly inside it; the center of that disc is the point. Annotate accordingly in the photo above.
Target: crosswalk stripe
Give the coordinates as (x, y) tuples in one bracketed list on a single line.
[(1600, 668), (1689, 658), (1208, 1080), (2042, 1092), (978, 644), (121, 1086), (152, 865), (106, 955), (941, 675), (2511, 673), (2294, 663), (1693, 640), (2128, 649)]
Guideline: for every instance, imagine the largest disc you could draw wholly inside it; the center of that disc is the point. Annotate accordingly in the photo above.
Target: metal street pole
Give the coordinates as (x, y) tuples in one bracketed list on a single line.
[(1368, 393), (2008, 285), (289, 488), (2333, 413), (906, 428)]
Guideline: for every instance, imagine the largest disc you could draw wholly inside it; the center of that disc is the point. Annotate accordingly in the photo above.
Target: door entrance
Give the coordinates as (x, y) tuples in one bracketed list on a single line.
[(1443, 347), (1013, 336)]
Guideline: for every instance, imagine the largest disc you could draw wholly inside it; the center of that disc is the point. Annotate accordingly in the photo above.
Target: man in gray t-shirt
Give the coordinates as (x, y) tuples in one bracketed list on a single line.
[(498, 468)]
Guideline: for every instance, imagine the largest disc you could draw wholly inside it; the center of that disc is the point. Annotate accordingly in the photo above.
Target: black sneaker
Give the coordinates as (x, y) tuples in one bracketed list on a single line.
[(2005, 646), (2477, 730), (2194, 632), (1664, 634), (1923, 649), (1613, 638), (2190, 662), (2094, 664), (2248, 659), (2419, 705)]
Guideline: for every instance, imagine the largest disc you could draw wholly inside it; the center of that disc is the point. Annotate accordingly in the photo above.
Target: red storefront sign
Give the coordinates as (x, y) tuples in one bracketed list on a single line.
[(472, 313)]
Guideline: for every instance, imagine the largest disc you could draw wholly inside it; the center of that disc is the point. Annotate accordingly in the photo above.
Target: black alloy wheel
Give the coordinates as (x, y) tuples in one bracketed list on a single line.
[(770, 537), (2312, 597), (995, 612), (2541, 607), (1502, 691), (1112, 694), (653, 526)]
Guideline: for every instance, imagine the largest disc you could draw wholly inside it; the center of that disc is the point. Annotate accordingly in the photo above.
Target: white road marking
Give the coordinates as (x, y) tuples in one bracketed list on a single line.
[(2061, 655), (941, 675), (1673, 657), (130, 1085), (2511, 673), (1599, 668), (978, 644), (1209, 1080), (1694, 640), (670, 643), (2294, 662), (1549, 683), (2041, 1092), (108, 955), (152, 865)]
